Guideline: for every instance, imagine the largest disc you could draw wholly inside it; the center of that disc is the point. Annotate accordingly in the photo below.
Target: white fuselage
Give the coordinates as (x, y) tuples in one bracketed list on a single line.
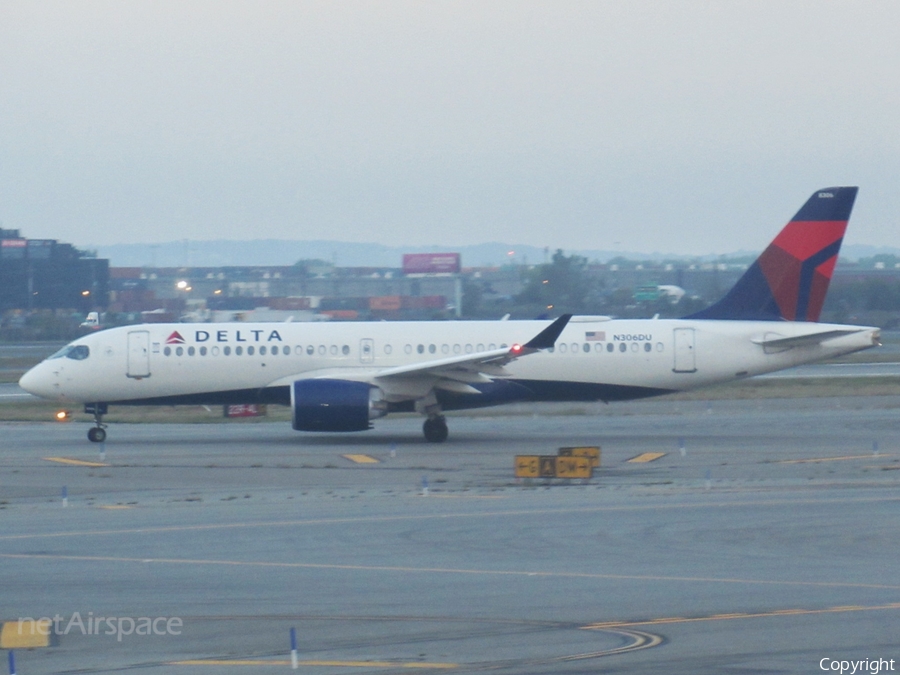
[(632, 357)]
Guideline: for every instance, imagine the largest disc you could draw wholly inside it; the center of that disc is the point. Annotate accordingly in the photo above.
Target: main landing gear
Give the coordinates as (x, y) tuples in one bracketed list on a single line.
[(97, 433), (435, 429)]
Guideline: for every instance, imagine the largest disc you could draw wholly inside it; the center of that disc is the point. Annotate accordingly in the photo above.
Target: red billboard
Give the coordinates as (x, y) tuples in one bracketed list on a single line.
[(431, 263)]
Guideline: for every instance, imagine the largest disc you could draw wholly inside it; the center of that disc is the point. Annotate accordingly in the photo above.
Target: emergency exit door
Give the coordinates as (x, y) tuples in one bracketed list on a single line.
[(138, 354)]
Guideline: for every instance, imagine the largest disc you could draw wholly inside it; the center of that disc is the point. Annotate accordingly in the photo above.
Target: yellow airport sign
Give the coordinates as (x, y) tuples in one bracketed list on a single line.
[(591, 451), (547, 466), (527, 466), (573, 467), (550, 466)]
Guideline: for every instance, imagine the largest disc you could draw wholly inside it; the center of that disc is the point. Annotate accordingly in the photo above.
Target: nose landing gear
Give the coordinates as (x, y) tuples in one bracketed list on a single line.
[(97, 433)]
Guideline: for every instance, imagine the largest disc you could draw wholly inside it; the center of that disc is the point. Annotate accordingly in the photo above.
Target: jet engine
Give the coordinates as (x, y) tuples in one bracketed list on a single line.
[(335, 405)]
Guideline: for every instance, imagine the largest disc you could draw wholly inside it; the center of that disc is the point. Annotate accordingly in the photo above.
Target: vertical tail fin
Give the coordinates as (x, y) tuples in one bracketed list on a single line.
[(789, 280)]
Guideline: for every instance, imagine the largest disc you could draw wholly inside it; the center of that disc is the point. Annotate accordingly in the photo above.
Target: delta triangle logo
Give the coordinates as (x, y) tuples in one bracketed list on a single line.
[(175, 339)]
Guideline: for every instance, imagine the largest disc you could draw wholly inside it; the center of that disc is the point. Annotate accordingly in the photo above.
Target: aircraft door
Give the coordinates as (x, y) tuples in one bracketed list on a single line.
[(685, 358), (367, 350), (138, 354)]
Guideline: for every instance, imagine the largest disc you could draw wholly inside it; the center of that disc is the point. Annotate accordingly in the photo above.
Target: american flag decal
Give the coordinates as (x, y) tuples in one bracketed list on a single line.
[(595, 336)]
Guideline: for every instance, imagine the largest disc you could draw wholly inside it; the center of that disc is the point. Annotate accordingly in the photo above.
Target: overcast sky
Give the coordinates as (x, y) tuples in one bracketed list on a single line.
[(682, 127)]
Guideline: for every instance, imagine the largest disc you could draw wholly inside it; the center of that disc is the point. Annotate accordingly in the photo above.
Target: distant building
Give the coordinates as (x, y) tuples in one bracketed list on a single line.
[(47, 274)]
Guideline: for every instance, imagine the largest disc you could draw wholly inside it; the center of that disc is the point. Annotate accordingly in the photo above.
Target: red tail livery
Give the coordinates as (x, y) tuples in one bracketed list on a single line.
[(789, 280)]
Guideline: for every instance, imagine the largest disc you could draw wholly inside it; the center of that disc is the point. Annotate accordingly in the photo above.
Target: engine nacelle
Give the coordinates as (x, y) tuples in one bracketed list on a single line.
[(334, 405)]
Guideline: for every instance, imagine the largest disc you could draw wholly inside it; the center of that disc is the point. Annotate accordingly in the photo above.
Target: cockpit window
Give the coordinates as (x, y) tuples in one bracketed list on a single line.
[(74, 352)]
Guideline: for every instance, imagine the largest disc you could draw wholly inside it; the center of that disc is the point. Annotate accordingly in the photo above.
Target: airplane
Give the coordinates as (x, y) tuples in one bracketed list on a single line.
[(341, 376)]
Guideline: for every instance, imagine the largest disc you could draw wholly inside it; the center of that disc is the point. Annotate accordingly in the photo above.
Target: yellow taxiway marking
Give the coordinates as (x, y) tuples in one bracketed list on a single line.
[(406, 569), (647, 457), (739, 615), (25, 634), (72, 462), (362, 459), (830, 459), (335, 664)]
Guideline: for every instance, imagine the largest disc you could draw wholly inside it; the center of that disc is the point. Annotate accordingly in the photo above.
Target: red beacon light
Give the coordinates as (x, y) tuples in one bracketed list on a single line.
[(516, 349)]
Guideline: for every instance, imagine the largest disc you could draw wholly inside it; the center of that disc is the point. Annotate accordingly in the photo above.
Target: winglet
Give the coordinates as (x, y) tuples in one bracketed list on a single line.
[(547, 337)]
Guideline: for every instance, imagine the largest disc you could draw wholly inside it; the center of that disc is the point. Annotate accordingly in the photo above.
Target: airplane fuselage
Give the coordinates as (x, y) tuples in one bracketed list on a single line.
[(591, 360)]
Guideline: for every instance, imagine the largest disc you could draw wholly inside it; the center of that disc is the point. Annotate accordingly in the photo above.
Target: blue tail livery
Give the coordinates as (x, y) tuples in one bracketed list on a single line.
[(788, 282)]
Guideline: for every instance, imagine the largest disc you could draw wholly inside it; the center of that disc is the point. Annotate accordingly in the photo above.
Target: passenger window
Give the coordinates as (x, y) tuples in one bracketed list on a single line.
[(634, 346), (623, 347), (167, 351), (598, 347), (457, 349), (191, 351), (468, 349), (179, 351), (492, 347), (432, 349), (480, 347), (574, 347), (334, 350), (226, 350), (202, 351), (421, 349), (250, 351), (322, 350), (388, 349), (345, 350), (586, 348), (310, 350), (214, 351), (238, 351), (659, 346), (647, 346), (610, 347), (445, 349), (263, 350), (563, 348)]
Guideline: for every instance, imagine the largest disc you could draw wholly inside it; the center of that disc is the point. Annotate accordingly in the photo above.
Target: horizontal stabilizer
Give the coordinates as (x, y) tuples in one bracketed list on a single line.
[(803, 340)]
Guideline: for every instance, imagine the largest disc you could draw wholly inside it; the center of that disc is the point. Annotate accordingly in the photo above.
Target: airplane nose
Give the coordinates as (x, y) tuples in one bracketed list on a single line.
[(37, 381)]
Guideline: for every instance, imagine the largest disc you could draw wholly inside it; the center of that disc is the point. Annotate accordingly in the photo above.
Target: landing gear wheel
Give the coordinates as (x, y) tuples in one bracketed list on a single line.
[(435, 429), (98, 433)]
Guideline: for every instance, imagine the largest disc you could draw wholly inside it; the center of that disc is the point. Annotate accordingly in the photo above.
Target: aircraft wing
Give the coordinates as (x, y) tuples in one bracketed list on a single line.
[(484, 361), (456, 373)]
